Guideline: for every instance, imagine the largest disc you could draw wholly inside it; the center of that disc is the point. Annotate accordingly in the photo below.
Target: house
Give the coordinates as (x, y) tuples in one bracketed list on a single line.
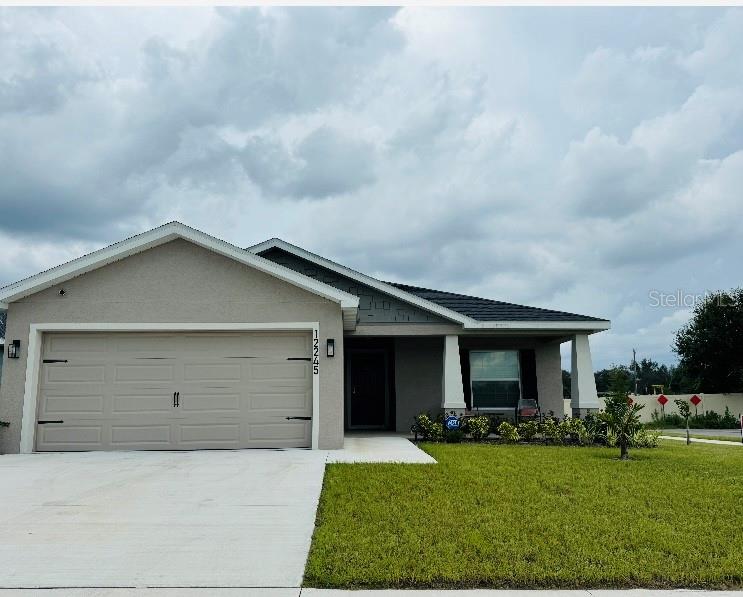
[(174, 339)]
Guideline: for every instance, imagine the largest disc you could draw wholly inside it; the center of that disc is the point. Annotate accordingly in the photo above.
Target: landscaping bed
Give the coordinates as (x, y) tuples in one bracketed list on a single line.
[(534, 516)]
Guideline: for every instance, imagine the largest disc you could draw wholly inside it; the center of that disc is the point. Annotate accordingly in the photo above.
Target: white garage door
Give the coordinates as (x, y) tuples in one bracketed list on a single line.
[(174, 391)]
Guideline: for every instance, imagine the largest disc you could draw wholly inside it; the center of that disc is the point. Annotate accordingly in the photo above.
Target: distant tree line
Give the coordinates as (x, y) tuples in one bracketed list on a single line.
[(710, 350), (649, 373)]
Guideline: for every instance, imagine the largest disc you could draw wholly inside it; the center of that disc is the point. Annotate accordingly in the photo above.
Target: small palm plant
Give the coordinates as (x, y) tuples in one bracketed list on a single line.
[(621, 414)]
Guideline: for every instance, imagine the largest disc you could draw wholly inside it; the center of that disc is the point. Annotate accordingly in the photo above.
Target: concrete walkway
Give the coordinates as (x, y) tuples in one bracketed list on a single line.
[(379, 448), (696, 440), (240, 592)]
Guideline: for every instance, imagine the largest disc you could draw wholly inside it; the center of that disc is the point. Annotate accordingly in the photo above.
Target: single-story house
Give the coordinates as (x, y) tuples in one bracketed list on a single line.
[(174, 339)]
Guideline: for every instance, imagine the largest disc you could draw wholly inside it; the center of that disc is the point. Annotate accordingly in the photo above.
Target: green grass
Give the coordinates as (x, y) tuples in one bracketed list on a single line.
[(534, 517), (722, 438)]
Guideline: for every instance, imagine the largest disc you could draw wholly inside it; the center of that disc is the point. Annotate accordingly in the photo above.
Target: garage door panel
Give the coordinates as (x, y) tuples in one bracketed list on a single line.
[(297, 431), (115, 391), (215, 403), (200, 435), (289, 370), (76, 374), (70, 437), (73, 344), (158, 345), (212, 372), (72, 404), (144, 373), (138, 435), (289, 401), (142, 403)]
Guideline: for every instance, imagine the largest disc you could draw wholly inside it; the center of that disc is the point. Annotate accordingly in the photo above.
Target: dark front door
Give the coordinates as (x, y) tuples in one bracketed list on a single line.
[(367, 389)]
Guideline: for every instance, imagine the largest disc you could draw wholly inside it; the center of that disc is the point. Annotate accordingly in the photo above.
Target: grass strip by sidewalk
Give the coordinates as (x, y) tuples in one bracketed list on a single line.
[(534, 517)]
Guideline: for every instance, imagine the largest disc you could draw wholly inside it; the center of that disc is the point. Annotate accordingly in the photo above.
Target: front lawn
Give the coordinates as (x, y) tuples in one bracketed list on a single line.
[(534, 516)]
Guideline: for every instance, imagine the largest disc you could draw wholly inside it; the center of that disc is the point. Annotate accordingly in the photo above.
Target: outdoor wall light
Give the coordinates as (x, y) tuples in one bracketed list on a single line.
[(331, 347), (14, 349)]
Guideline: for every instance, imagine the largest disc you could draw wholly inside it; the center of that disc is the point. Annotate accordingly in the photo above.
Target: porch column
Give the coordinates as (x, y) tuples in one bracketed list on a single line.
[(549, 378), (452, 391), (583, 398)]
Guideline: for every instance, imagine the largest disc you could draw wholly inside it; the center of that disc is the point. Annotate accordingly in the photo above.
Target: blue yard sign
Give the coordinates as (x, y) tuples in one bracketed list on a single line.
[(451, 422)]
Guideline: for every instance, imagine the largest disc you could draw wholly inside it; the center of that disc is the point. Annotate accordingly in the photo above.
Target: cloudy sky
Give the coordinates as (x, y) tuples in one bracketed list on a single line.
[(569, 158)]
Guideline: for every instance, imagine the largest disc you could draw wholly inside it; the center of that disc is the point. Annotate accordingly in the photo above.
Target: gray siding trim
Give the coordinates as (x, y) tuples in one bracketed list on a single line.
[(374, 306)]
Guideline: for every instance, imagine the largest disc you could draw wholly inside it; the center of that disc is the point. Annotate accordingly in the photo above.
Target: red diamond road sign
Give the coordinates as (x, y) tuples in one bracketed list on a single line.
[(662, 399), (695, 400)]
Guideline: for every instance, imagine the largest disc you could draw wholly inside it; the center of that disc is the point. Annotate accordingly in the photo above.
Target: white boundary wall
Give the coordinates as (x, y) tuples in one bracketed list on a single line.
[(713, 402)]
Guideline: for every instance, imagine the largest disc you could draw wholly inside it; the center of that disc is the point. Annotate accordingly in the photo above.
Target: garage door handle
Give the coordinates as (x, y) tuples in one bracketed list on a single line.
[(47, 422), (298, 418)]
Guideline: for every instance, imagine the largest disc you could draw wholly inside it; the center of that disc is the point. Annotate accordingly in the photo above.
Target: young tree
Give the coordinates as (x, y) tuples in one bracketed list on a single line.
[(620, 413), (685, 412), (709, 345)]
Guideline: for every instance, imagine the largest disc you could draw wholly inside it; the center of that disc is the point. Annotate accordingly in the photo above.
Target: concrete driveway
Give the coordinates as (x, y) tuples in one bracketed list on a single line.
[(158, 519)]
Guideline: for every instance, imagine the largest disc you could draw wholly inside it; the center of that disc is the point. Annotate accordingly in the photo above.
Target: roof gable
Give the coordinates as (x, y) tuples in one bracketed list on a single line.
[(470, 312), (375, 306), (164, 234)]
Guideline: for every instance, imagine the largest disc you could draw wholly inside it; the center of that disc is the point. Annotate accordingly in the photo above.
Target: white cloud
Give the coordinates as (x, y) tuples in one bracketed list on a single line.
[(565, 158)]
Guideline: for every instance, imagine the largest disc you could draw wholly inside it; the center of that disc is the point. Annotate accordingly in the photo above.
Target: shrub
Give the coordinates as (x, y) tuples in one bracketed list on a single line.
[(611, 439), (477, 427), (572, 427), (429, 430), (595, 428), (508, 432), (645, 439), (528, 429), (453, 436), (552, 431), (4, 424)]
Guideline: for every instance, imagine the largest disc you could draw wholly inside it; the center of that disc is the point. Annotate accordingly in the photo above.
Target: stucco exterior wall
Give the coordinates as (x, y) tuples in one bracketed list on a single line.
[(178, 282), (549, 378), (419, 366)]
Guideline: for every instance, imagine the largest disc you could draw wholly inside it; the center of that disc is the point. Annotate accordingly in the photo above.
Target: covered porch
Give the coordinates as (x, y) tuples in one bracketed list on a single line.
[(390, 380)]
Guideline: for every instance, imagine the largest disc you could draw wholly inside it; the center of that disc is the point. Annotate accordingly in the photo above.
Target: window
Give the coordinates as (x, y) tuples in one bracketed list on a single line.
[(495, 378)]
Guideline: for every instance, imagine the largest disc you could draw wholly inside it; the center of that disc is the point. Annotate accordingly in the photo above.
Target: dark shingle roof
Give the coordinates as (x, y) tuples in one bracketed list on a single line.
[(482, 309)]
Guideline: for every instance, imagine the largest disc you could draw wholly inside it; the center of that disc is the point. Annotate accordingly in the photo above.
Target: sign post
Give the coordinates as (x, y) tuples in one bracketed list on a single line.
[(695, 400), (663, 401)]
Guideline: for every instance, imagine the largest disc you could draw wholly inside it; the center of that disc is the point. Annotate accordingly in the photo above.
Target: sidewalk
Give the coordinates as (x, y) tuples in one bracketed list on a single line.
[(696, 440), (296, 592)]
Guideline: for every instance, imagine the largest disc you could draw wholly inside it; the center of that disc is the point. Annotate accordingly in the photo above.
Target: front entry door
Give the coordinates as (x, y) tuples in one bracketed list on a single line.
[(367, 390)]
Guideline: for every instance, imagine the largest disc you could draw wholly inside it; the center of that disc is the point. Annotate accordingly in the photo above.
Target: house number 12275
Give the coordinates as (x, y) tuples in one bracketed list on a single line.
[(316, 354)]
